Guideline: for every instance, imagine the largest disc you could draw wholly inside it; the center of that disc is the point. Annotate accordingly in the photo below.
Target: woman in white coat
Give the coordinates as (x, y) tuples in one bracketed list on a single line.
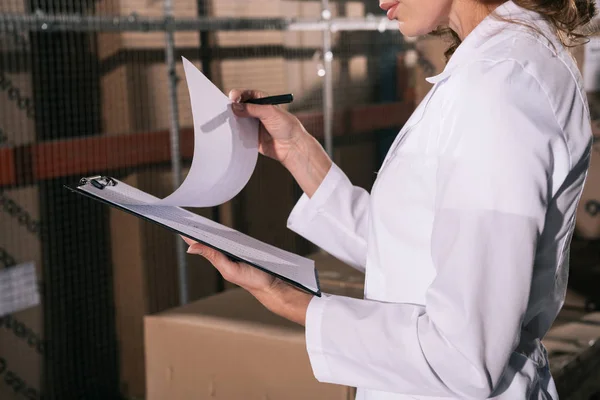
[(465, 236)]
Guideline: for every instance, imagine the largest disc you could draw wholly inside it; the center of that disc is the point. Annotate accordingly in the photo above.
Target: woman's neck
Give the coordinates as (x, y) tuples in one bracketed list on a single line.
[(465, 15)]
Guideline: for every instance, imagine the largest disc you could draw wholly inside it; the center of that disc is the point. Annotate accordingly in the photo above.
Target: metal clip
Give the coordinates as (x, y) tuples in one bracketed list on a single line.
[(99, 182)]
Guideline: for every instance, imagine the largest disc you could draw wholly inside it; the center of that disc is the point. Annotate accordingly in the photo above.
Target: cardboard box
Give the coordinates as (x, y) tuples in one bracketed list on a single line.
[(14, 6), (134, 90), (135, 98), (109, 43), (22, 353), (279, 74), (21, 333), (588, 213), (229, 347), (336, 277), (271, 74), (145, 276)]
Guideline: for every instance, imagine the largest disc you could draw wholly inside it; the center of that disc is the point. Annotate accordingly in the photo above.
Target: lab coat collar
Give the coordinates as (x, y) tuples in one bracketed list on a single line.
[(483, 32)]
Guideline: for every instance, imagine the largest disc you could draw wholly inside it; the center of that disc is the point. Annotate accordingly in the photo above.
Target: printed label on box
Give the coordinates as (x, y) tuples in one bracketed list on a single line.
[(18, 288)]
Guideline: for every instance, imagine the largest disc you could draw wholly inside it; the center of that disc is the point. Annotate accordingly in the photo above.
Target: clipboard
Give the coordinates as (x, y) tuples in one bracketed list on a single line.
[(297, 271)]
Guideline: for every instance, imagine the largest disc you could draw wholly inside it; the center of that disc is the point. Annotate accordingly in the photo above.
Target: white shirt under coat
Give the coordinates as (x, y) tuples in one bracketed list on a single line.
[(465, 237)]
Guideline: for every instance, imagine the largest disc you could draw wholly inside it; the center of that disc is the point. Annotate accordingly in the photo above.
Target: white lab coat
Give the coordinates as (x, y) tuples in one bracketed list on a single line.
[(465, 236)]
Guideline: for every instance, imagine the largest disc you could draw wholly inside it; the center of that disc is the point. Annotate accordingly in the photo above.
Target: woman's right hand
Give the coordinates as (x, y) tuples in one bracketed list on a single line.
[(283, 138), (279, 132)]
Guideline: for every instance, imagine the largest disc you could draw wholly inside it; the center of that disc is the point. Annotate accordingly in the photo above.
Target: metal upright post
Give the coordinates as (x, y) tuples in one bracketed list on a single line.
[(174, 136), (328, 79)]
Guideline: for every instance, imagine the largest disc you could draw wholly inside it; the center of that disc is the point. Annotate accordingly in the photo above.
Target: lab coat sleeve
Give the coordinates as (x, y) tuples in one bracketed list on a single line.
[(491, 198), (335, 218)]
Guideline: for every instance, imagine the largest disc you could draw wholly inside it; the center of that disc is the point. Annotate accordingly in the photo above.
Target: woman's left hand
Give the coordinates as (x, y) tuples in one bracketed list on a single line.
[(273, 293)]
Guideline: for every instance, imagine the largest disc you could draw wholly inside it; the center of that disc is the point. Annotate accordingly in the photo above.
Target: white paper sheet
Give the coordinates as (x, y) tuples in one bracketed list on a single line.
[(225, 147)]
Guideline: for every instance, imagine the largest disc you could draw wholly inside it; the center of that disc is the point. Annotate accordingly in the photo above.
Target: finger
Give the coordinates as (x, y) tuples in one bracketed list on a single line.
[(188, 240), (239, 95), (226, 267), (198, 248), (262, 112), (235, 95)]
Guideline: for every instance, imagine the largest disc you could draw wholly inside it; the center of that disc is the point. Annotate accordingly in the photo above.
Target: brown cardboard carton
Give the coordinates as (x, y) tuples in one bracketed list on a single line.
[(588, 213), (21, 333), (110, 43), (134, 91), (279, 74), (21, 354), (145, 276), (16, 98), (247, 9), (135, 98), (338, 278), (14, 6), (229, 347)]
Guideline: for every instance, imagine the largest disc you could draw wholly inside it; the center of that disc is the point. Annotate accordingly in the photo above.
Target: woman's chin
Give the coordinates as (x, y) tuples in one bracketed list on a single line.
[(405, 29), (412, 31)]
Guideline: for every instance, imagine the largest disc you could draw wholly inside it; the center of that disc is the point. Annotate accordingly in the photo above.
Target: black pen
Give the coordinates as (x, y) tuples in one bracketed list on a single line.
[(272, 100)]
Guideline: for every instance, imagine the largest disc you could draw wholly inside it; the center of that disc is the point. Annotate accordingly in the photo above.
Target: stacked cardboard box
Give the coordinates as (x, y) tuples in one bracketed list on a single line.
[(21, 333), (279, 73), (135, 97), (20, 243), (263, 73), (134, 85)]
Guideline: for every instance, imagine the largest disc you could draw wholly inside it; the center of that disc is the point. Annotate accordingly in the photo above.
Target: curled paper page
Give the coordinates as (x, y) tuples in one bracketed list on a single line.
[(225, 147)]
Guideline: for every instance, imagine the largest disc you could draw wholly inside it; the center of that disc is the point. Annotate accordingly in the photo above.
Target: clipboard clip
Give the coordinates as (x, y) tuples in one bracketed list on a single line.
[(99, 181)]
